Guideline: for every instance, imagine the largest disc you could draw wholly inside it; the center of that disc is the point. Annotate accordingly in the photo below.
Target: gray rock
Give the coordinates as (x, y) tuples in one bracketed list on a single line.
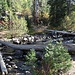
[(14, 66), (9, 57), (7, 60), (27, 73), (29, 39), (24, 40), (16, 41), (8, 66), (11, 63)]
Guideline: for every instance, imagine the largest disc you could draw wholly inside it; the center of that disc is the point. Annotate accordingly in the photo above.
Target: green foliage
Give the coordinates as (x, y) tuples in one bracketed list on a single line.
[(2, 5), (31, 61), (12, 22), (23, 7), (69, 22), (58, 10), (40, 12), (2, 27), (56, 58), (5, 5), (44, 6), (17, 28), (19, 24), (31, 57), (45, 18)]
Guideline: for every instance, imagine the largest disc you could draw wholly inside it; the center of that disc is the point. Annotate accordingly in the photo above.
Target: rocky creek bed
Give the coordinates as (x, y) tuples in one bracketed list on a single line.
[(15, 58), (14, 62), (15, 65)]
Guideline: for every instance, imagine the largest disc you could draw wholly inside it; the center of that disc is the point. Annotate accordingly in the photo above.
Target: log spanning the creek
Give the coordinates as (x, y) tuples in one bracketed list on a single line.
[(70, 47), (2, 66), (23, 47)]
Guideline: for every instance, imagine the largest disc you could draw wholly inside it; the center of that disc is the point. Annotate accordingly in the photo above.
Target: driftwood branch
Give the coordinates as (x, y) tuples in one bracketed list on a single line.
[(2, 66)]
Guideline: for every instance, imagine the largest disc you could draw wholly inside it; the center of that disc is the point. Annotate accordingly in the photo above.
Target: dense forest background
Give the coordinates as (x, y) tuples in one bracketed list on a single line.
[(21, 15)]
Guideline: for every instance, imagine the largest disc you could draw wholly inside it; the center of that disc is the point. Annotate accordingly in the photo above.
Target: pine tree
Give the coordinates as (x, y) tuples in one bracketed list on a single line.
[(58, 11), (56, 58)]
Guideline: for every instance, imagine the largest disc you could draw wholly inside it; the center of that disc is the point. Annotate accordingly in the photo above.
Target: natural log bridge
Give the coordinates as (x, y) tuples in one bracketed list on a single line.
[(23, 47), (70, 47)]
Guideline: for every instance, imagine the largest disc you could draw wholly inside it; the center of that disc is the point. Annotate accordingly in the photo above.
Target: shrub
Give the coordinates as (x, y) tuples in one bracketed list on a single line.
[(69, 22), (19, 23), (56, 59), (31, 59), (2, 27), (17, 28)]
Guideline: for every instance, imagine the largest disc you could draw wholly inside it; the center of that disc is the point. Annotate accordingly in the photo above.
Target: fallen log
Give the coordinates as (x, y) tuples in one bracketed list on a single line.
[(23, 47), (63, 33), (70, 47), (2, 66)]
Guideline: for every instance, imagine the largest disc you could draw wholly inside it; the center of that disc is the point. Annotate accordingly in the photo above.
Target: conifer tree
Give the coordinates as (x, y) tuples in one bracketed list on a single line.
[(58, 11)]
